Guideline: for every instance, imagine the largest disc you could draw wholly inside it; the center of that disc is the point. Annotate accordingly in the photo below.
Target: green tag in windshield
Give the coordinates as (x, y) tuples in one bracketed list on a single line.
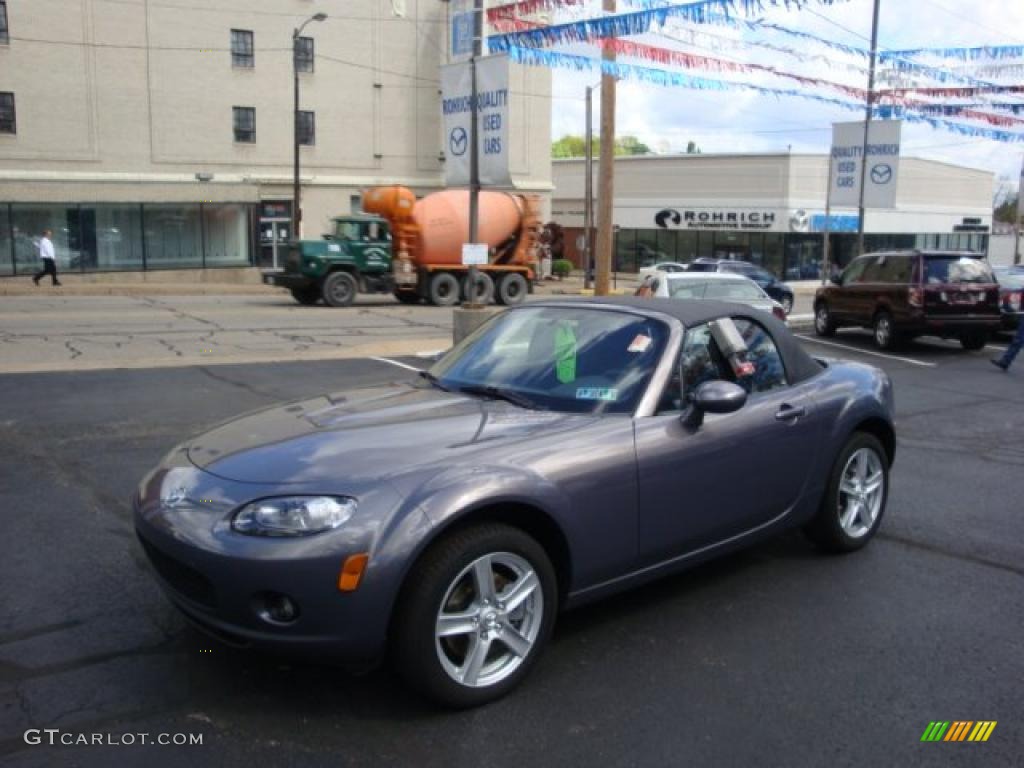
[(565, 354)]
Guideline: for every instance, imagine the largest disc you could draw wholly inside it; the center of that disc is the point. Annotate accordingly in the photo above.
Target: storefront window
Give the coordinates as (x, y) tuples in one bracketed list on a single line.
[(173, 236), (647, 253), (667, 243), (704, 245), (756, 248), (803, 257), (227, 234), (773, 259), (731, 245), (6, 262), (625, 250), (686, 247), (28, 222), (111, 237)]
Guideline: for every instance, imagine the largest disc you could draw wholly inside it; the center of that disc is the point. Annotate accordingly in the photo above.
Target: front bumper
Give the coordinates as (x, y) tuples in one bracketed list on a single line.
[(222, 580), (288, 280)]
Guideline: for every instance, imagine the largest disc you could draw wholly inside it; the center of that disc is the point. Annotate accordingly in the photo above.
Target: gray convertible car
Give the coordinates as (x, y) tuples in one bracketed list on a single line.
[(565, 451)]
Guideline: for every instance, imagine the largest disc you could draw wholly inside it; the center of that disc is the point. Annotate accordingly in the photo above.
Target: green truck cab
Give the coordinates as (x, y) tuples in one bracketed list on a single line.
[(355, 258)]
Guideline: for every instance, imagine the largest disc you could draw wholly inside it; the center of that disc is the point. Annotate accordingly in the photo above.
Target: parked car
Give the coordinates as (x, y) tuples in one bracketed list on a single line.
[(1011, 292), (566, 451), (702, 285), (904, 294), (774, 287), (670, 267)]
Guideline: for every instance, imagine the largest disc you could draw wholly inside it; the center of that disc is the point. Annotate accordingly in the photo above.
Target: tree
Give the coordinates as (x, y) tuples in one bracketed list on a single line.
[(1007, 212), (575, 146)]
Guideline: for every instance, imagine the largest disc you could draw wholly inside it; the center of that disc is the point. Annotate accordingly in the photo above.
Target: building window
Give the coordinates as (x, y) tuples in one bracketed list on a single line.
[(242, 54), (307, 128), (304, 54), (7, 122), (245, 124), (3, 22)]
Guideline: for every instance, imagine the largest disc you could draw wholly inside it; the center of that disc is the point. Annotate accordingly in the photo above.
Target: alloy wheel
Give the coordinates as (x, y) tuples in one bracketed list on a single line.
[(861, 491), (489, 619)]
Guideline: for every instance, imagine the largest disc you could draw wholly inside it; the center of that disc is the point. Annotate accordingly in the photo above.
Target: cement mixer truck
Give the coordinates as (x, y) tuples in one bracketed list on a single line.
[(413, 249)]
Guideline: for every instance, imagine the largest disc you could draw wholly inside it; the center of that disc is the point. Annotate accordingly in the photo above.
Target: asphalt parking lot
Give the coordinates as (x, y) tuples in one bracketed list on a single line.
[(775, 656)]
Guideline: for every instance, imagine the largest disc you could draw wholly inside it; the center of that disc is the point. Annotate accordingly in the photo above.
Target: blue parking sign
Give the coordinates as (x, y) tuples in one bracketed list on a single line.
[(462, 34)]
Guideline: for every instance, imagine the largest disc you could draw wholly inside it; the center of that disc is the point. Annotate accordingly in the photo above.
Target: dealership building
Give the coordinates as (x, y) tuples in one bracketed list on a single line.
[(770, 209), (160, 135)]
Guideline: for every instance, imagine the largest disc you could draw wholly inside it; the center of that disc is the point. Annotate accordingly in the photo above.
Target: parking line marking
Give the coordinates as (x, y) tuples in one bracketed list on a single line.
[(993, 346), (395, 362), (867, 352)]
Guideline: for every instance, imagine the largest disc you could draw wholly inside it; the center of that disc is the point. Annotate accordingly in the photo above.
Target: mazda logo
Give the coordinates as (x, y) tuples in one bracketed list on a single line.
[(799, 221), (458, 141), (881, 173)]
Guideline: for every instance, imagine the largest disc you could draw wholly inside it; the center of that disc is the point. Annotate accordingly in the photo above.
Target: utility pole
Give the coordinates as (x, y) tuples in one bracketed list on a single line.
[(867, 126), (606, 180), (296, 189), (588, 191), (826, 253), (1020, 216), (474, 150)]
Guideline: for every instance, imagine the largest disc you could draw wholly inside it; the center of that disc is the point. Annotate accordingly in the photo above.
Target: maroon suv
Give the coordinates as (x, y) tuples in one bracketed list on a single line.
[(903, 294)]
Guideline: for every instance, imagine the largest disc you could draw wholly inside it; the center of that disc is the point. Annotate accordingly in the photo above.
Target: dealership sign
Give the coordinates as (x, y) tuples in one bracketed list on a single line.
[(847, 166), (711, 218), (457, 108)]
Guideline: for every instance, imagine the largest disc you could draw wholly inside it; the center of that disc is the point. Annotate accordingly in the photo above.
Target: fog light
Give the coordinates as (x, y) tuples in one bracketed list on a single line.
[(277, 609)]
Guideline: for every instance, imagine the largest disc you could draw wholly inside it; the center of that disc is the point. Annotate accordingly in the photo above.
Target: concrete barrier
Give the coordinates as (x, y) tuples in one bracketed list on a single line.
[(465, 320)]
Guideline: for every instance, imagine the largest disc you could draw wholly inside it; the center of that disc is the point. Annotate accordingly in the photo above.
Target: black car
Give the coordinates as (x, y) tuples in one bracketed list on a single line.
[(771, 285), (1011, 293)]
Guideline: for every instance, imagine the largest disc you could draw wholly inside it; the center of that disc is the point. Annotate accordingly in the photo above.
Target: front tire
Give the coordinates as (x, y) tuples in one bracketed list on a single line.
[(484, 292), (339, 289), (855, 499), (474, 615)]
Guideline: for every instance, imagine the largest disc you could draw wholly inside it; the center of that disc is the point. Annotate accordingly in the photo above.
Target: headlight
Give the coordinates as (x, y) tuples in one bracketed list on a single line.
[(293, 515)]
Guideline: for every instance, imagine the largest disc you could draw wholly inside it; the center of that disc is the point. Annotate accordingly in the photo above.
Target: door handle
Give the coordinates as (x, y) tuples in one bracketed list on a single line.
[(790, 413)]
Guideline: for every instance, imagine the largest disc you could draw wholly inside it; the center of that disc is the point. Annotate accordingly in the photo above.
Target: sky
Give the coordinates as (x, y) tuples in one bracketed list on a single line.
[(666, 118)]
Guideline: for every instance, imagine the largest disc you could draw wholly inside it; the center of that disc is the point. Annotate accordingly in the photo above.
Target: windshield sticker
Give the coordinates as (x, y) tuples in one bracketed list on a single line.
[(639, 344), (565, 354), (597, 393), (333, 247)]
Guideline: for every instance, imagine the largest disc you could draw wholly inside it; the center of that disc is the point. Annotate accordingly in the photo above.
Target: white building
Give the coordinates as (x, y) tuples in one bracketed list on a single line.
[(158, 133), (770, 209)]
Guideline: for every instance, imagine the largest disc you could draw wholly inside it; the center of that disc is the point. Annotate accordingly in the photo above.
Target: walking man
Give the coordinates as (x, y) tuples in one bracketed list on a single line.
[(49, 257)]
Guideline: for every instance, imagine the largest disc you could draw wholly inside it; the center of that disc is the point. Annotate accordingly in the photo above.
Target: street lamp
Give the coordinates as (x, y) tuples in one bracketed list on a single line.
[(296, 205)]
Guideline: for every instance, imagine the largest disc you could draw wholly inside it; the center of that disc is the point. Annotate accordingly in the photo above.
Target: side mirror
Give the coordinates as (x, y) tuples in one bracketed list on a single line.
[(714, 397)]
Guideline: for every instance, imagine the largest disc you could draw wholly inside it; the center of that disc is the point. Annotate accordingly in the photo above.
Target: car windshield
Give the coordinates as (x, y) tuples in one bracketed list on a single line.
[(568, 359), (733, 290), (702, 266), (1010, 280), (956, 269)]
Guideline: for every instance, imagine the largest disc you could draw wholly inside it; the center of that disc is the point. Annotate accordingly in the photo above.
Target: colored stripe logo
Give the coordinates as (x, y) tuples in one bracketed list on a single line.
[(958, 730)]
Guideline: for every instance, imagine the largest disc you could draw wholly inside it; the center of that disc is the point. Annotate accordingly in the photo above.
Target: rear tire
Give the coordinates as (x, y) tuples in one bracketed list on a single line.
[(307, 297), (444, 289), (885, 333), (974, 341), (446, 586), (511, 289), (484, 292), (339, 289), (824, 325), (850, 514)]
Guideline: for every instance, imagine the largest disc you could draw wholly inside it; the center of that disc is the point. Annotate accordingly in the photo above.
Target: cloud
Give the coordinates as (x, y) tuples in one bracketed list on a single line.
[(745, 122)]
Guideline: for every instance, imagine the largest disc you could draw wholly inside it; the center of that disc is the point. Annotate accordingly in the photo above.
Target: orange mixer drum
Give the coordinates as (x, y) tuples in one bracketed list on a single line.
[(443, 219), (389, 202)]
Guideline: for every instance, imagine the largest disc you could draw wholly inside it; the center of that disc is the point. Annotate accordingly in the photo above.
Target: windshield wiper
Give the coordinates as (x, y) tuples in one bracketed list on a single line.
[(434, 380), (497, 393)]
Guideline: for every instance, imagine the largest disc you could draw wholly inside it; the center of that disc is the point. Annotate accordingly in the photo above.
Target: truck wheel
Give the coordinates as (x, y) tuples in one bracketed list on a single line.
[(444, 289), (512, 289), (408, 297), (484, 292), (306, 296), (339, 289)]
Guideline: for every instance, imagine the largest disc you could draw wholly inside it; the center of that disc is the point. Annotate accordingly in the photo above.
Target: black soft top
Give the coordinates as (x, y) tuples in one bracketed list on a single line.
[(691, 312)]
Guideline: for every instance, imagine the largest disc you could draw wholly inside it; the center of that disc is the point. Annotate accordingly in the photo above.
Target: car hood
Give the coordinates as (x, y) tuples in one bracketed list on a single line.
[(367, 435)]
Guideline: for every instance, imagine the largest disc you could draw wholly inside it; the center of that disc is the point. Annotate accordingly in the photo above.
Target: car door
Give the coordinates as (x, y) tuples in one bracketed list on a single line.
[(735, 472), (843, 300)]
